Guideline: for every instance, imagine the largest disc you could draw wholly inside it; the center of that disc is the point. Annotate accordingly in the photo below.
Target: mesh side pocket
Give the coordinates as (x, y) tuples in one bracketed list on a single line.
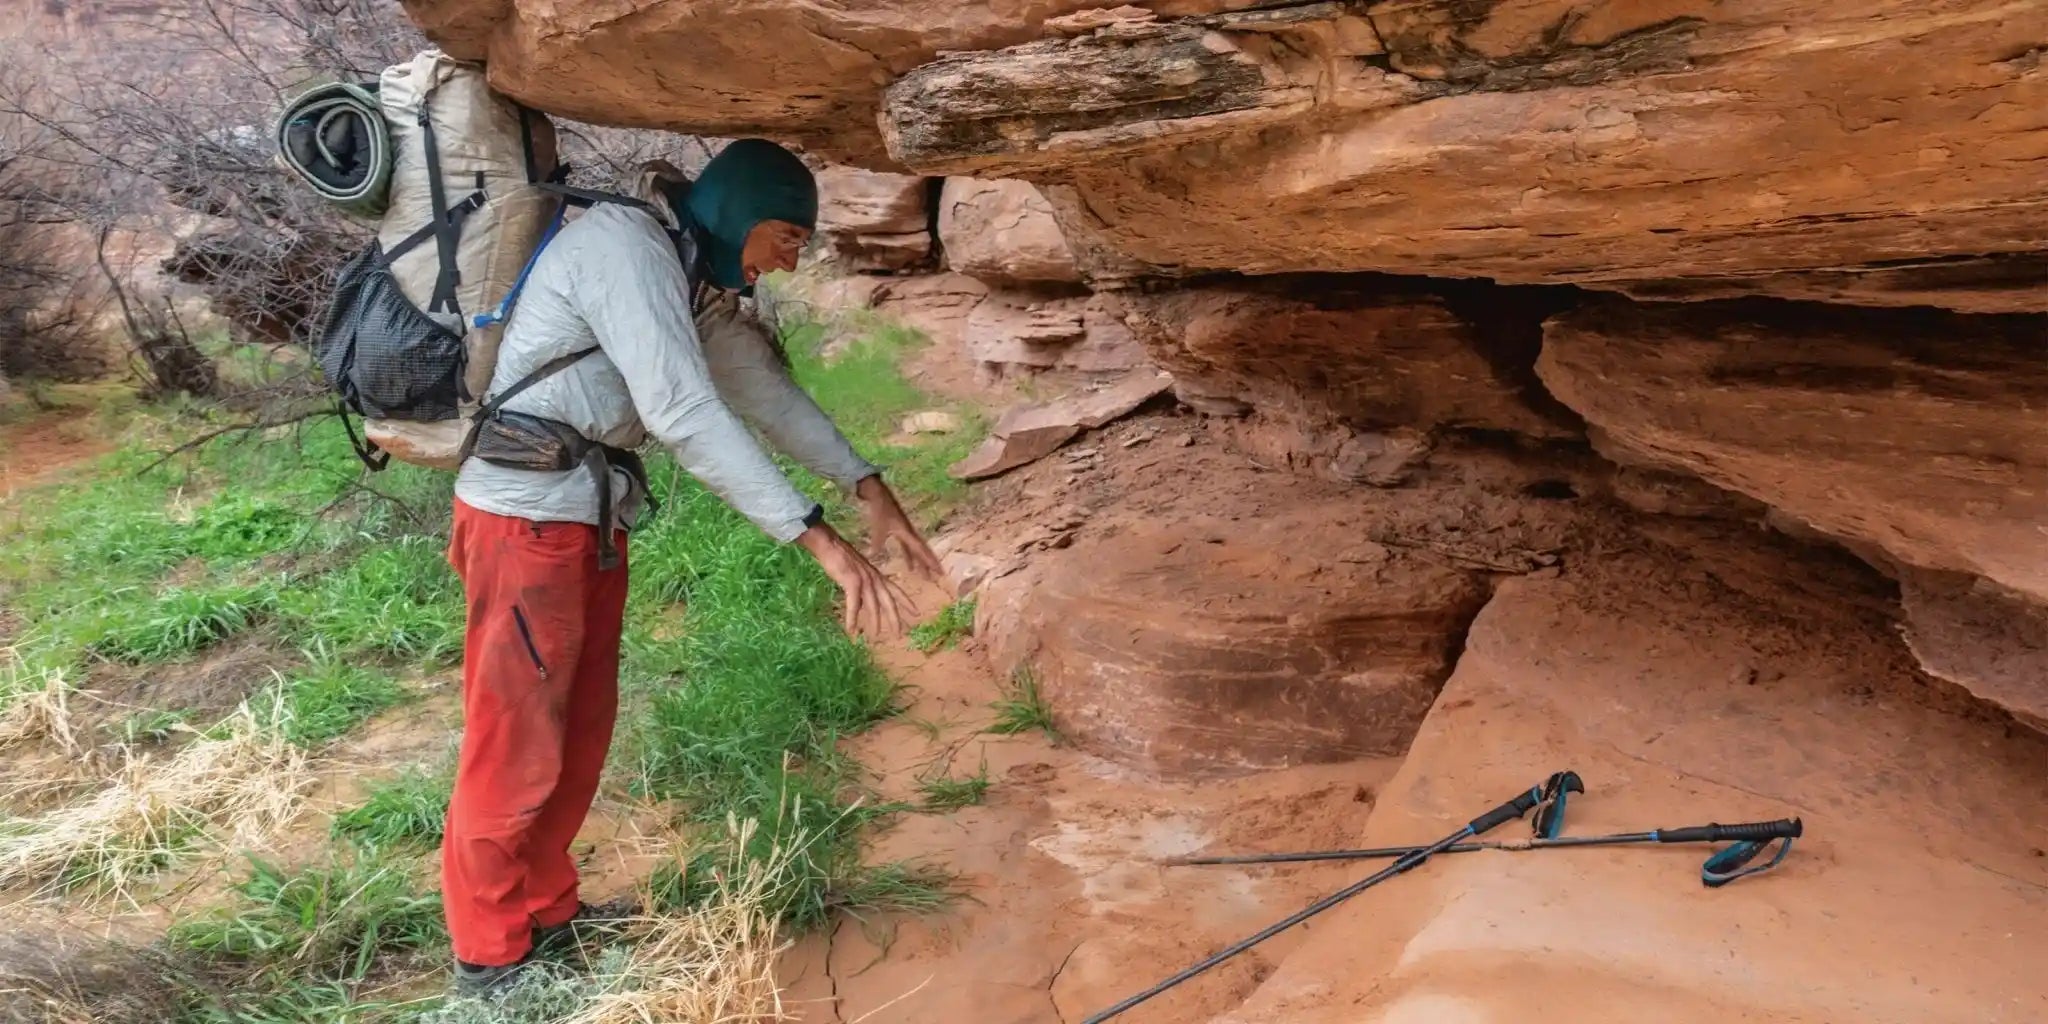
[(380, 353)]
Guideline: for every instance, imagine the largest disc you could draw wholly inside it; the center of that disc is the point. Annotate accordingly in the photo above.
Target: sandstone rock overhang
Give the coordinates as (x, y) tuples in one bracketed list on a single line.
[(1881, 152)]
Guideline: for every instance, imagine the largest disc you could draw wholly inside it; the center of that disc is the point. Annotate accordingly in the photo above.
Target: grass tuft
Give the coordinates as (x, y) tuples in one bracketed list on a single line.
[(1022, 708), (35, 704), (327, 923), (242, 779), (717, 962), (328, 698), (410, 809), (147, 727), (946, 793), (946, 629), (176, 623)]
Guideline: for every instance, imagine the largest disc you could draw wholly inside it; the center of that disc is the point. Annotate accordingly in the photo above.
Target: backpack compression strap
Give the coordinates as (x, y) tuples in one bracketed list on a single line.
[(447, 230), (372, 456)]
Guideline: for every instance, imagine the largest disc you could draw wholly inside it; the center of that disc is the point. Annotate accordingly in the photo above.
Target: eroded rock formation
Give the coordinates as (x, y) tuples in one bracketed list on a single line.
[(1003, 231), (875, 221), (1698, 677), (1883, 151), (1923, 436)]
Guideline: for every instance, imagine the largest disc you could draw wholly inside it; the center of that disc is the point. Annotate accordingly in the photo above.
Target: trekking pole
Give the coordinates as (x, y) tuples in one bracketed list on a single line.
[(1723, 867), (1406, 861)]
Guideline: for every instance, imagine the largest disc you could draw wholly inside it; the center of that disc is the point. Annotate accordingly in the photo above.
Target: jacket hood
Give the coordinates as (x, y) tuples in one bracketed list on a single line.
[(749, 181)]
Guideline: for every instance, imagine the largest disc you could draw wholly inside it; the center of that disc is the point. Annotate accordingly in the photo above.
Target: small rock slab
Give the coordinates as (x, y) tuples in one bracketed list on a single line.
[(1031, 432)]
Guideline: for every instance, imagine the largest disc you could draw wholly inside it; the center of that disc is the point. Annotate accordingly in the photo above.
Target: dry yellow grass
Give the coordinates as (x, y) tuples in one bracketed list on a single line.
[(239, 782), (713, 964), (38, 707)]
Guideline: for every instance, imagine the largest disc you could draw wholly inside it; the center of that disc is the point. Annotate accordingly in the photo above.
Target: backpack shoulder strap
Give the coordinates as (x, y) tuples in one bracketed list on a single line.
[(586, 197), (496, 402)]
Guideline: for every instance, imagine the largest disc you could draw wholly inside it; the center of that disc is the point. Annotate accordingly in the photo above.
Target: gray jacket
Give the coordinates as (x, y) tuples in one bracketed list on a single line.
[(611, 278)]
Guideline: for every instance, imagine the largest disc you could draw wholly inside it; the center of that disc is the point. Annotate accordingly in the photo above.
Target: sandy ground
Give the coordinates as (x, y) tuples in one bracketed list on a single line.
[(33, 449), (1064, 907)]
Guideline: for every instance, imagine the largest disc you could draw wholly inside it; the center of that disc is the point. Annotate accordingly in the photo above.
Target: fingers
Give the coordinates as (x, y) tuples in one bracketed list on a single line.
[(901, 599), (892, 608), (926, 561), (880, 615), (850, 621)]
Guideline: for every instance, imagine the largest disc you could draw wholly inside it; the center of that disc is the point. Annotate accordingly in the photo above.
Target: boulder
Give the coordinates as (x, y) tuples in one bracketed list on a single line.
[(1324, 349), (1200, 648), (1190, 613), (1031, 432), (1917, 434), (1682, 699), (1037, 330), (872, 220), (1002, 231), (1981, 637)]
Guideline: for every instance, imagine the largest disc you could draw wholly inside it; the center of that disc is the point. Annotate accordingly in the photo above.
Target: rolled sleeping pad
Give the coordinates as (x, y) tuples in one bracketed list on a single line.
[(333, 137)]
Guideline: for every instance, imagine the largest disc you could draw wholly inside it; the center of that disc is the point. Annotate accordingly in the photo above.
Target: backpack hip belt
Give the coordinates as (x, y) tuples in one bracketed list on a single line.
[(517, 440)]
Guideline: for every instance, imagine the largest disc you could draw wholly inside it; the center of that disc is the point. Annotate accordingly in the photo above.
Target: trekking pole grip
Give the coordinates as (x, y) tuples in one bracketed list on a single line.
[(1754, 831), (1506, 812)]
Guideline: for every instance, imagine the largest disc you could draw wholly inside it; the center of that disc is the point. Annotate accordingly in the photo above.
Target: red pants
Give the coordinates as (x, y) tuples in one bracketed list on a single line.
[(540, 688)]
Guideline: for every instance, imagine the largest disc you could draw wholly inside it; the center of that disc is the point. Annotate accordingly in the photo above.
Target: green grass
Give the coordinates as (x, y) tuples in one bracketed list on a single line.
[(953, 623), (1023, 709), (235, 525), (397, 598), (945, 793), (328, 698), (737, 680), (328, 923), (409, 809), (739, 714), (867, 395), (175, 623)]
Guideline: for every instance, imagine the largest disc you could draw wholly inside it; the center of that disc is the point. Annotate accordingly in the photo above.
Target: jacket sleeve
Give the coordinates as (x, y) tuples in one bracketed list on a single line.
[(631, 290), (750, 373)]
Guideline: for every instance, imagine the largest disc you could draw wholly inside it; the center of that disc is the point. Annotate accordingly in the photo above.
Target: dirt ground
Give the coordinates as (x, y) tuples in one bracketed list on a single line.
[(35, 447), (1065, 908)]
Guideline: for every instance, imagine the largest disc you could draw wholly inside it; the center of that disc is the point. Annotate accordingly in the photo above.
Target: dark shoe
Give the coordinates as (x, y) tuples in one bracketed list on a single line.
[(476, 981), (592, 921)]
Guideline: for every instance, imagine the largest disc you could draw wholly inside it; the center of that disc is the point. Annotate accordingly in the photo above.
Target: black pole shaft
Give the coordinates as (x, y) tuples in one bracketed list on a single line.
[(1402, 851), (1406, 860)]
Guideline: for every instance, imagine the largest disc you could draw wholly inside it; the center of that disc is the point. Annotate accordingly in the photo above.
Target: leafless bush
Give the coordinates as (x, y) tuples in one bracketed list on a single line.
[(161, 131), (43, 321)]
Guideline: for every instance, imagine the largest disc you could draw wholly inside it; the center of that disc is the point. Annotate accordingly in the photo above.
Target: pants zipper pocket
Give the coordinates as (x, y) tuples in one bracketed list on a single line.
[(526, 636)]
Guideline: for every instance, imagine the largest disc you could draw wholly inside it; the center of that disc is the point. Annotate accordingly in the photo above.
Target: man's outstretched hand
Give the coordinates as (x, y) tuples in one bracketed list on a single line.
[(887, 523), (875, 606)]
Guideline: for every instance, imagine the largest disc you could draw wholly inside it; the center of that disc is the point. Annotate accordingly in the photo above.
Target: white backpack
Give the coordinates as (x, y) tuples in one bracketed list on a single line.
[(411, 335)]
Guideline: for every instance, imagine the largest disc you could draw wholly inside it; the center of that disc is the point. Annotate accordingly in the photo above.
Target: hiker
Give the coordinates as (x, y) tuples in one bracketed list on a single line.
[(629, 325)]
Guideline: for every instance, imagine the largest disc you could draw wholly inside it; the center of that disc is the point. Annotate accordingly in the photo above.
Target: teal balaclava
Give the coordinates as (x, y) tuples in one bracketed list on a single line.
[(749, 181)]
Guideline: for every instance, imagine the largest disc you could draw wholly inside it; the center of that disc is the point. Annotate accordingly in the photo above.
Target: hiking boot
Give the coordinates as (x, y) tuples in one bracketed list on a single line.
[(592, 921), (477, 981)]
